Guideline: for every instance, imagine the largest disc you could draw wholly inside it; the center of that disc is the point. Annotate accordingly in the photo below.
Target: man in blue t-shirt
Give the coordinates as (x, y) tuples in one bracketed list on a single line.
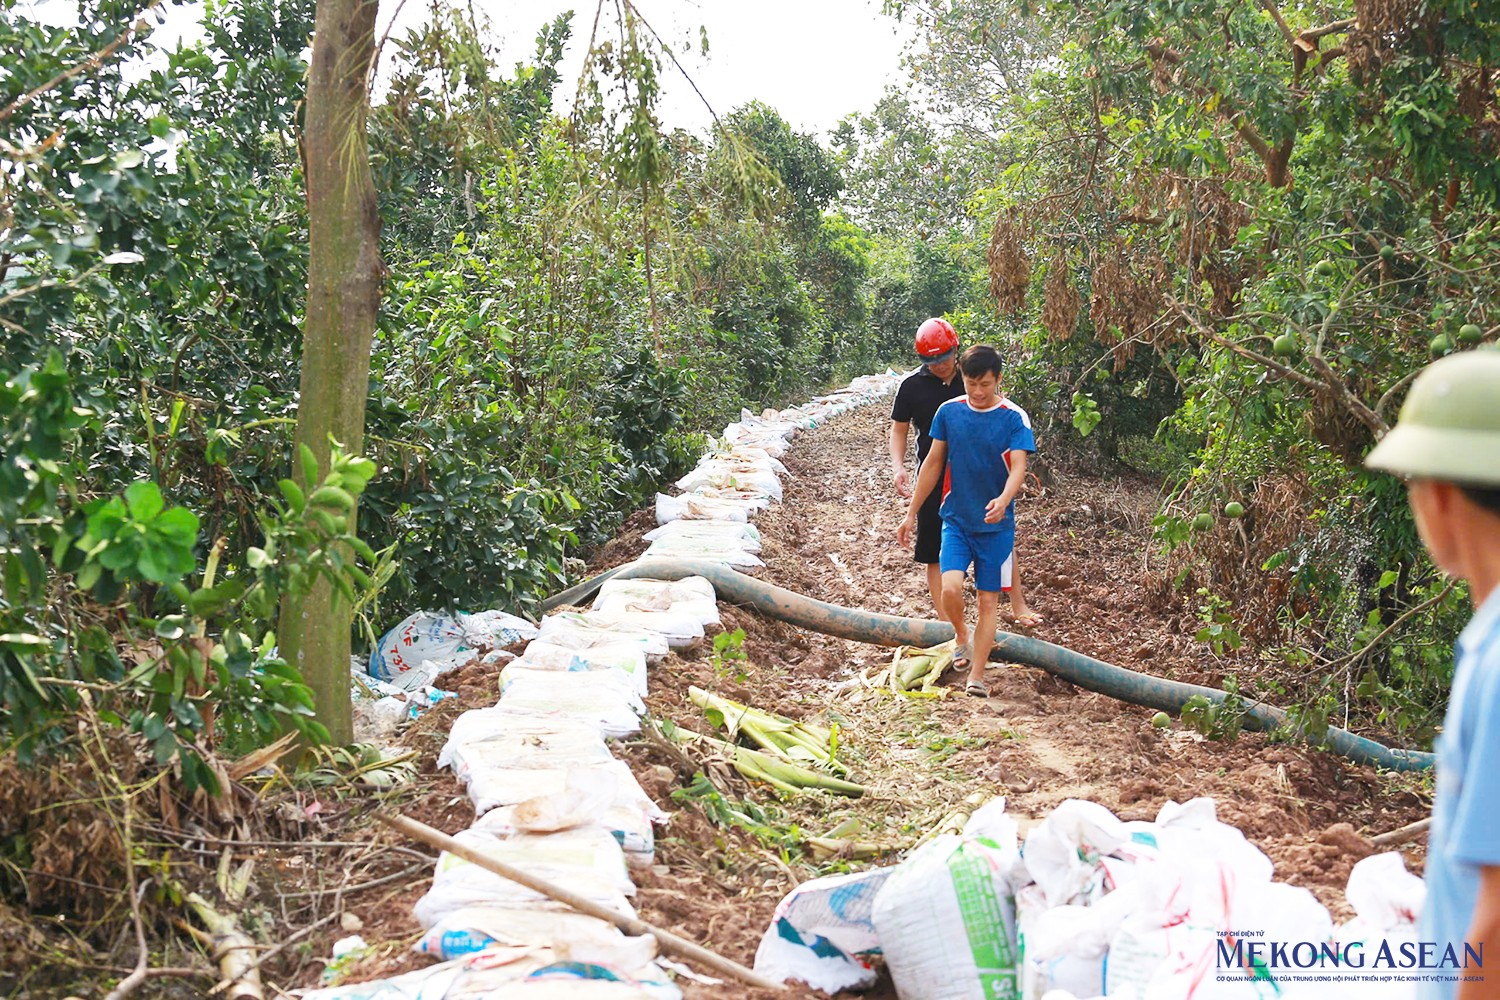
[(982, 444), (1446, 445)]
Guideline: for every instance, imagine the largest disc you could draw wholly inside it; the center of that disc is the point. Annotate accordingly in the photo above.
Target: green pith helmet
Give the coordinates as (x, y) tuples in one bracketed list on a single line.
[(1449, 426)]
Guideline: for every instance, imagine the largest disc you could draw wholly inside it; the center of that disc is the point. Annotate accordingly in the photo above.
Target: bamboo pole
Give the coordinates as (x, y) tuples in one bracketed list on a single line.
[(1402, 834), (668, 941)]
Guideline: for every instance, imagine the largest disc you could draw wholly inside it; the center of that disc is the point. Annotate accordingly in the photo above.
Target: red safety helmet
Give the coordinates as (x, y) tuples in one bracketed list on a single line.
[(935, 338)]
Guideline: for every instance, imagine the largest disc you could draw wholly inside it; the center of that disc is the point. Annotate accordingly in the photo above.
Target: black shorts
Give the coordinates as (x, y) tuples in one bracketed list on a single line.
[(929, 528)]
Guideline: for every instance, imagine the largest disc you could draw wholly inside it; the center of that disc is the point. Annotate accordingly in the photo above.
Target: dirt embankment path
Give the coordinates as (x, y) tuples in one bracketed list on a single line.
[(1037, 740)]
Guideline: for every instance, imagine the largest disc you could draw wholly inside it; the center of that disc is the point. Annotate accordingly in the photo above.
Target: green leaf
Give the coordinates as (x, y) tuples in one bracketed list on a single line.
[(143, 501), (295, 498), (178, 525), (171, 627), (24, 642), (309, 466)]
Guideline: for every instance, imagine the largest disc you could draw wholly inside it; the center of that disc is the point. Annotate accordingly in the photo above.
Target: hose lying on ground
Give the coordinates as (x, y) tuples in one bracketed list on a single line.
[(891, 630)]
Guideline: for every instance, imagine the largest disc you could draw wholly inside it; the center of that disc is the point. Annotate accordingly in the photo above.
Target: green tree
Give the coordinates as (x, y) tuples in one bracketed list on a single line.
[(1261, 219), (344, 275)]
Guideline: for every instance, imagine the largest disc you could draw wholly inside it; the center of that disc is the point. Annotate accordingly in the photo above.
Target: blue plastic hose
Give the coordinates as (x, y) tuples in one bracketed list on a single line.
[(891, 630)]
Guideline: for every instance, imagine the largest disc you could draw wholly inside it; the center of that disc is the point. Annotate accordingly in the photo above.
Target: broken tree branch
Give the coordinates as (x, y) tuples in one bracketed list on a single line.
[(1275, 12), (233, 949), (142, 969), (1401, 835), (1332, 28)]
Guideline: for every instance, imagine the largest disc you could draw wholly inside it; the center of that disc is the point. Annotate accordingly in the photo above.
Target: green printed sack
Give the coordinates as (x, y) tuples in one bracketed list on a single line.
[(946, 917)]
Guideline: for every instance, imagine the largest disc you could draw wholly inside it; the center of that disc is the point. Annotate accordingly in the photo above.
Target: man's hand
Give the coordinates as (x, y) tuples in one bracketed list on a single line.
[(903, 481), (994, 511), (903, 533)]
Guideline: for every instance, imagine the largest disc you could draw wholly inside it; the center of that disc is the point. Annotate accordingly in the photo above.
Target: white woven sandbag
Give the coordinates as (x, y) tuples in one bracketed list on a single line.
[(583, 630), (732, 475), (624, 657), (728, 533), (606, 699), (543, 935), (947, 919), (493, 786), (685, 547), (697, 507), (585, 860), (748, 454), (586, 795), (507, 726), (677, 628), (601, 687), (691, 596)]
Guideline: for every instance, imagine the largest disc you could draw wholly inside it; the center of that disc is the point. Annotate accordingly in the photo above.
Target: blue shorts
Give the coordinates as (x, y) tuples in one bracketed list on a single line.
[(987, 550)]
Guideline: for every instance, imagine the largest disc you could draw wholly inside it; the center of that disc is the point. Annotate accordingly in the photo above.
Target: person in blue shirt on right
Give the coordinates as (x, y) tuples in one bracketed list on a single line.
[(979, 447), (1446, 445)]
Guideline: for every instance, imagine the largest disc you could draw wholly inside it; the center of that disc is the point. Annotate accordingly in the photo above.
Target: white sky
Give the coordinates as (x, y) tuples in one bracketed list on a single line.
[(814, 61)]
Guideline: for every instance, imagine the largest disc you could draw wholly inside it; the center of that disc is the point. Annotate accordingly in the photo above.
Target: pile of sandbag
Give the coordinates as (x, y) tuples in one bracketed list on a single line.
[(1093, 906), (548, 795), (740, 476)]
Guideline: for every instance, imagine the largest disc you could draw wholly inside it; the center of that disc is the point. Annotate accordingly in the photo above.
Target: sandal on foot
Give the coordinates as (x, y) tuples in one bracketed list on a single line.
[(1030, 619), (963, 656), (977, 689)]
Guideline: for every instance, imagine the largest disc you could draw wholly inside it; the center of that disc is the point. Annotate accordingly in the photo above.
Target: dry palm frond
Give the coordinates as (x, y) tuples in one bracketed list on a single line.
[(1010, 270), (1061, 302)]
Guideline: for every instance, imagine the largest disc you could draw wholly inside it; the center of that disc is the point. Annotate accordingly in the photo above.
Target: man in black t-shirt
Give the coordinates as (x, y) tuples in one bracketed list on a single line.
[(917, 400)]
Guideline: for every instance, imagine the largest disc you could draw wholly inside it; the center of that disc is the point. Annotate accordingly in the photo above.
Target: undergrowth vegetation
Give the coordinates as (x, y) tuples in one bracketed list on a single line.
[(1223, 239), (1215, 242)]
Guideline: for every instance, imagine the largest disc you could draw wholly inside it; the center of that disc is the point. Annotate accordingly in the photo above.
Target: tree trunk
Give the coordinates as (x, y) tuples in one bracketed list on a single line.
[(344, 274)]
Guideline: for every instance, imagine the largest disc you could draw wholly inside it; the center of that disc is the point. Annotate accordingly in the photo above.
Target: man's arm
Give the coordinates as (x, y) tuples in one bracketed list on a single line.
[(899, 432), (1484, 929), (932, 468), (994, 511)]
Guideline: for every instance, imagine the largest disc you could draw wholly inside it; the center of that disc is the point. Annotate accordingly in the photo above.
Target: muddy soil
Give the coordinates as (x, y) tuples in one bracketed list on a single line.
[(1036, 740)]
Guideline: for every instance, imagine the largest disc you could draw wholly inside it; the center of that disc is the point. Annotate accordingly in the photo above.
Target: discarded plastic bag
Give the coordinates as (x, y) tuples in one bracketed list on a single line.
[(946, 917), (1387, 901), (821, 930), (426, 637)]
